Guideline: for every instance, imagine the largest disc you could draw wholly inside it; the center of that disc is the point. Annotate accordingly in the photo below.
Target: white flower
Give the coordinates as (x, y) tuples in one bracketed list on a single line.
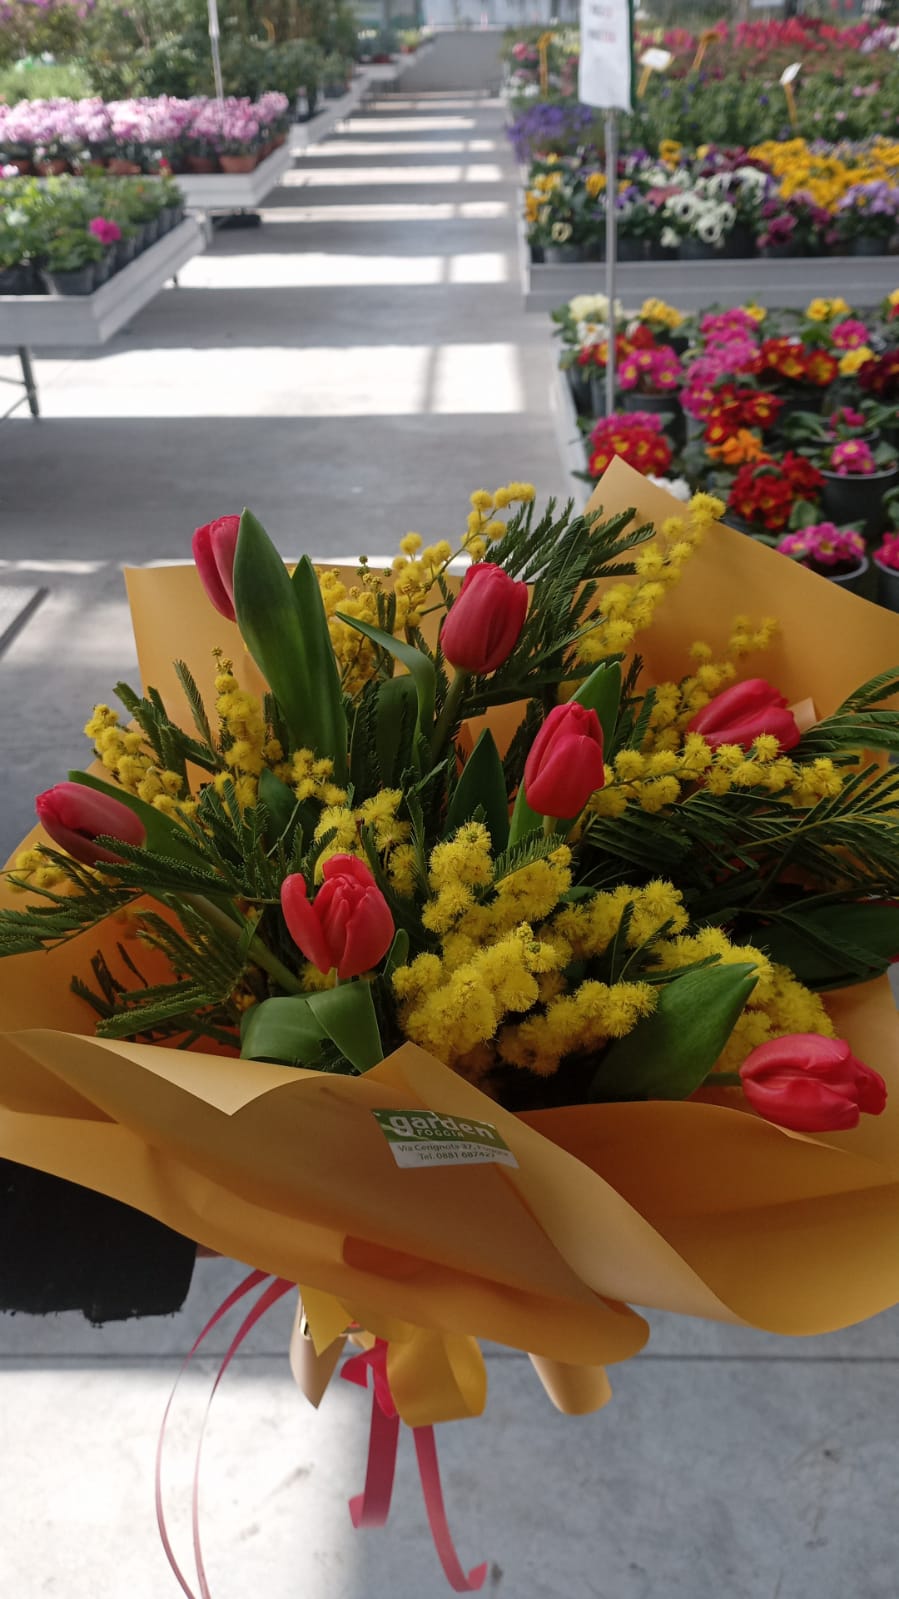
[(727, 215), (562, 232), (708, 229), (670, 239), (589, 307), (677, 486)]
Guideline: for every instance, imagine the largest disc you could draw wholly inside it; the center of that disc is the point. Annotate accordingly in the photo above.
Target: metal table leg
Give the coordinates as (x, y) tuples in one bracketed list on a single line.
[(28, 380)]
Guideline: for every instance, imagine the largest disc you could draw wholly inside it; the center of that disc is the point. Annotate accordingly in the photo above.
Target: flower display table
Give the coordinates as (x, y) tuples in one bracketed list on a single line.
[(235, 191), (366, 81), (86, 321), (696, 285)]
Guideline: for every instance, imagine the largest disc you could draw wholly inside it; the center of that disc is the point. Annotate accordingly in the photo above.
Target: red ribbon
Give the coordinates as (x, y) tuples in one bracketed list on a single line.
[(368, 1509), (372, 1507)]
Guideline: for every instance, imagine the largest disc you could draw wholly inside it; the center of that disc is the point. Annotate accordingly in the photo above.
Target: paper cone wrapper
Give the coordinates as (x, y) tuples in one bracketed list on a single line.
[(698, 1208)]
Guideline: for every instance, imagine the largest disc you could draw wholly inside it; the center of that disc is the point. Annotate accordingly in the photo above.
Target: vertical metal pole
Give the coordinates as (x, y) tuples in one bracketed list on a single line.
[(611, 249), (28, 380), (213, 10)]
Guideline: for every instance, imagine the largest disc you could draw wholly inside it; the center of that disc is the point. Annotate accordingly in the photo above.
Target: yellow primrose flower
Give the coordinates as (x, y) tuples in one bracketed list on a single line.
[(853, 360)]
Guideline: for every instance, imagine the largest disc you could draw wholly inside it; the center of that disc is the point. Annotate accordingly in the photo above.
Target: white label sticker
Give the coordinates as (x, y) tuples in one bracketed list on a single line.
[(424, 1138), (791, 72), (658, 60)]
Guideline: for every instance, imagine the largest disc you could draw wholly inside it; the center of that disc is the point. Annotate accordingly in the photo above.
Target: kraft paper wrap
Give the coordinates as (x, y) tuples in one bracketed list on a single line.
[(698, 1208)]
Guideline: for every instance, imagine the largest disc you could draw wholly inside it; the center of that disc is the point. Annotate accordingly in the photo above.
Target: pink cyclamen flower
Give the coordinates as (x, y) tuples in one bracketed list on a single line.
[(106, 231)]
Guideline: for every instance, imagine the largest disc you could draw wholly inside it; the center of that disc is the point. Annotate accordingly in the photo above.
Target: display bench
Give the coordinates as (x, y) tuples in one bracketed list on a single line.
[(366, 82), (80, 322), (569, 437), (694, 285), (235, 191)]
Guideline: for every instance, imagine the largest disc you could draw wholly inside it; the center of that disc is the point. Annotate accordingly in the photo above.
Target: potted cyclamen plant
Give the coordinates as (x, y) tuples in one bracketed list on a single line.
[(856, 478), (69, 261), (835, 553), (240, 138), (867, 216)]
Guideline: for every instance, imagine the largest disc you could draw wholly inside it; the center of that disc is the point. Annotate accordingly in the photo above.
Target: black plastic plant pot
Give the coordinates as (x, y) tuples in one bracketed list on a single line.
[(696, 250), (858, 498), (739, 244), (82, 281), (563, 254), (782, 252), (598, 393), (739, 524), (579, 384), (663, 252), (858, 580), (869, 244), (887, 585), (630, 249), (667, 406), (803, 400), (16, 280)]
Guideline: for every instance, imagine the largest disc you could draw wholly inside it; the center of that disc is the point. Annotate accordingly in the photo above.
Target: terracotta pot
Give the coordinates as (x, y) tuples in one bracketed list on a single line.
[(238, 163), (53, 168), (118, 167), (22, 164), (200, 163)]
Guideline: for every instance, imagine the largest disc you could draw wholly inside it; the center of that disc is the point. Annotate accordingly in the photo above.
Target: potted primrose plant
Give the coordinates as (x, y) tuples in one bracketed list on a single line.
[(835, 553), (856, 478)]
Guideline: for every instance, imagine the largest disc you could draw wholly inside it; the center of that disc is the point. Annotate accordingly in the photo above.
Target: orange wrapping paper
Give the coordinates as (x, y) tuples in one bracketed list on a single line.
[(698, 1208)]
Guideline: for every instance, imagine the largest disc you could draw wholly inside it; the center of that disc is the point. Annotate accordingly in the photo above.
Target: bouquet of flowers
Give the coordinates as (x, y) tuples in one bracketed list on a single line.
[(507, 932)]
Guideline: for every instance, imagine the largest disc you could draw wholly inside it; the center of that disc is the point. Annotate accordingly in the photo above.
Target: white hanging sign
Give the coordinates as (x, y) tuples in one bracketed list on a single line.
[(606, 75)]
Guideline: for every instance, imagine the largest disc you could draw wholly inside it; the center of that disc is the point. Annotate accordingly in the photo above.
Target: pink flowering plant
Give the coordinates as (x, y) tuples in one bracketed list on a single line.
[(887, 552), (655, 371), (825, 548), (856, 458)]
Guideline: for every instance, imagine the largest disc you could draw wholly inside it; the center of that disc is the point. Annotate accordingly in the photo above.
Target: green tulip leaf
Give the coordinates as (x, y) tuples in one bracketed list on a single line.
[(833, 946), (482, 786), (285, 629), (291, 1030), (281, 804), (601, 692), (670, 1054), (419, 666)]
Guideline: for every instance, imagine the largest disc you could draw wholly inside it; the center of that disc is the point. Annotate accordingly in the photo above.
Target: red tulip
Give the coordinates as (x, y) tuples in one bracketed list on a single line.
[(347, 925), (484, 624), (742, 713), (75, 815), (214, 546), (811, 1084), (565, 764)]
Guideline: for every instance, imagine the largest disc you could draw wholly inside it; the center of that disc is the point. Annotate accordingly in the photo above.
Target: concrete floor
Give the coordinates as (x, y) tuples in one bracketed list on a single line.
[(352, 370)]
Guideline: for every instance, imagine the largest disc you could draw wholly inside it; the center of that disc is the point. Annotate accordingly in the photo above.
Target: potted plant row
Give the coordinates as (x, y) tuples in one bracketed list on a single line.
[(70, 236)]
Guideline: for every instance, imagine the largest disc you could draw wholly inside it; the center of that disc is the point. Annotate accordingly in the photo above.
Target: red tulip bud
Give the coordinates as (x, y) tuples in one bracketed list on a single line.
[(484, 623), (565, 764), (74, 816), (347, 925), (742, 713), (811, 1084), (214, 547)]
